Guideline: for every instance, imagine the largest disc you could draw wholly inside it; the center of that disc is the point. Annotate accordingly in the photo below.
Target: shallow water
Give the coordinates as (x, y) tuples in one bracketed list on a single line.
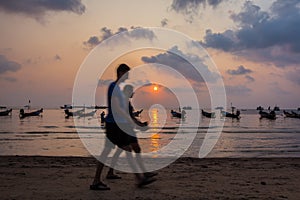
[(53, 135)]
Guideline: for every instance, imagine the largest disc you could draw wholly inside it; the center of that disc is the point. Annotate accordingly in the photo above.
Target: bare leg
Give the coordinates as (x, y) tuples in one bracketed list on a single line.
[(131, 163), (100, 165), (114, 162), (137, 149), (97, 178)]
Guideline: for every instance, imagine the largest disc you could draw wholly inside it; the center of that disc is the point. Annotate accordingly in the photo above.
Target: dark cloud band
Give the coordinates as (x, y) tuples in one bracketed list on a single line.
[(261, 34), (7, 65), (241, 70), (37, 8), (133, 32)]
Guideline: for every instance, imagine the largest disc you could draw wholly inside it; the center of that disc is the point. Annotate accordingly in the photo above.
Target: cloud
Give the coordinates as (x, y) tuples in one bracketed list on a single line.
[(294, 77), (190, 8), (7, 65), (239, 90), (57, 57), (263, 36), (186, 6), (224, 41), (249, 78), (133, 32), (92, 41), (9, 79), (241, 70), (38, 8), (164, 22), (175, 59)]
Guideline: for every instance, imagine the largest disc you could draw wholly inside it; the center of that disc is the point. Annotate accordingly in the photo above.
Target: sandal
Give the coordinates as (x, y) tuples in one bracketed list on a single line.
[(99, 186), (114, 176)]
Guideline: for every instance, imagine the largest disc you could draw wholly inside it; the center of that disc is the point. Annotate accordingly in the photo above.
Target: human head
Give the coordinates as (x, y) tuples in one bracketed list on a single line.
[(122, 72), (128, 91)]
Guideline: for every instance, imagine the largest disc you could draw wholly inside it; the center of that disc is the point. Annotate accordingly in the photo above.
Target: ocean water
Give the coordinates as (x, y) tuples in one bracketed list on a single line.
[(53, 135)]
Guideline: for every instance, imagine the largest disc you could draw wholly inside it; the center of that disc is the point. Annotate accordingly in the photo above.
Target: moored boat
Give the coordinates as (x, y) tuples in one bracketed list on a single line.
[(276, 108), (270, 115), (79, 113), (208, 114), (66, 106), (89, 114), (187, 108), (28, 114), (291, 115), (178, 114), (6, 112), (259, 108), (219, 108), (231, 115)]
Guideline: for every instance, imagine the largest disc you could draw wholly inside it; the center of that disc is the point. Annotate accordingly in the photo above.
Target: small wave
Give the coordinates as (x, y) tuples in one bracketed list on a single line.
[(50, 132), (16, 139), (48, 127), (262, 131), (67, 138)]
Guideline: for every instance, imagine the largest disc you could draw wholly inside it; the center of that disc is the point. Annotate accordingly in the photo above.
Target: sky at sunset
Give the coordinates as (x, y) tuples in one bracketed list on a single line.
[(255, 45)]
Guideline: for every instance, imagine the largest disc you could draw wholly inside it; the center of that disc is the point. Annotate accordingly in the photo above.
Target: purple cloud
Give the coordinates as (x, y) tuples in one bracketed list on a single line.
[(133, 32), (7, 65), (262, 36), (241, 70), (38, 8)]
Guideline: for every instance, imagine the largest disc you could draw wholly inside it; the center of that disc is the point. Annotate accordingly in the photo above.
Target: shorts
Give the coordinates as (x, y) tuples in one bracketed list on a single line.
[(116, 135), (132, 139)]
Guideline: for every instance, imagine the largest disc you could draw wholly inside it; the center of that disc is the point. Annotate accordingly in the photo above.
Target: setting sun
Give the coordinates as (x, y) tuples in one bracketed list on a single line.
[(155, 88)]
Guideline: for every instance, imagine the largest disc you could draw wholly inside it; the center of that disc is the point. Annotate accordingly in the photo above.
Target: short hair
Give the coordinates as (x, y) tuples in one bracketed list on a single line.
[(123, 68)]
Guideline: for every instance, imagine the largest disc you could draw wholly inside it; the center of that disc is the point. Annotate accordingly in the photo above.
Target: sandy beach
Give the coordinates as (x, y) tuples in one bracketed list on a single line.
[(24, 177)]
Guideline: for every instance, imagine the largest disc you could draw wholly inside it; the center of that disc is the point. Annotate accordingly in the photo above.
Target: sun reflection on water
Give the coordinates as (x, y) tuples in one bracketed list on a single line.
[(156, 125)]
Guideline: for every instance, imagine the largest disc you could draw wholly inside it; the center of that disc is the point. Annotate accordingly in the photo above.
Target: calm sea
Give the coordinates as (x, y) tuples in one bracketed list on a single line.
[(53, 135)]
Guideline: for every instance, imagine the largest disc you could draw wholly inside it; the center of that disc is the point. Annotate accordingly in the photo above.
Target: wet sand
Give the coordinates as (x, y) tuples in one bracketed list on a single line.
[(27, 177)]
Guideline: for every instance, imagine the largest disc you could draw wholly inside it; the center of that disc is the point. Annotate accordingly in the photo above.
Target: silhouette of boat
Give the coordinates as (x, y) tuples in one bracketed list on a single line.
[(28, 114), (276, 108), (73, 113), (79, 113), (291, 115), (208, 114), (5, 112), (219, 108), (99, 107), (66, 106), (187, 108), (68, 113), (231, 115), (89, 114), (178, 114), (270, 115), (259, 108)]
